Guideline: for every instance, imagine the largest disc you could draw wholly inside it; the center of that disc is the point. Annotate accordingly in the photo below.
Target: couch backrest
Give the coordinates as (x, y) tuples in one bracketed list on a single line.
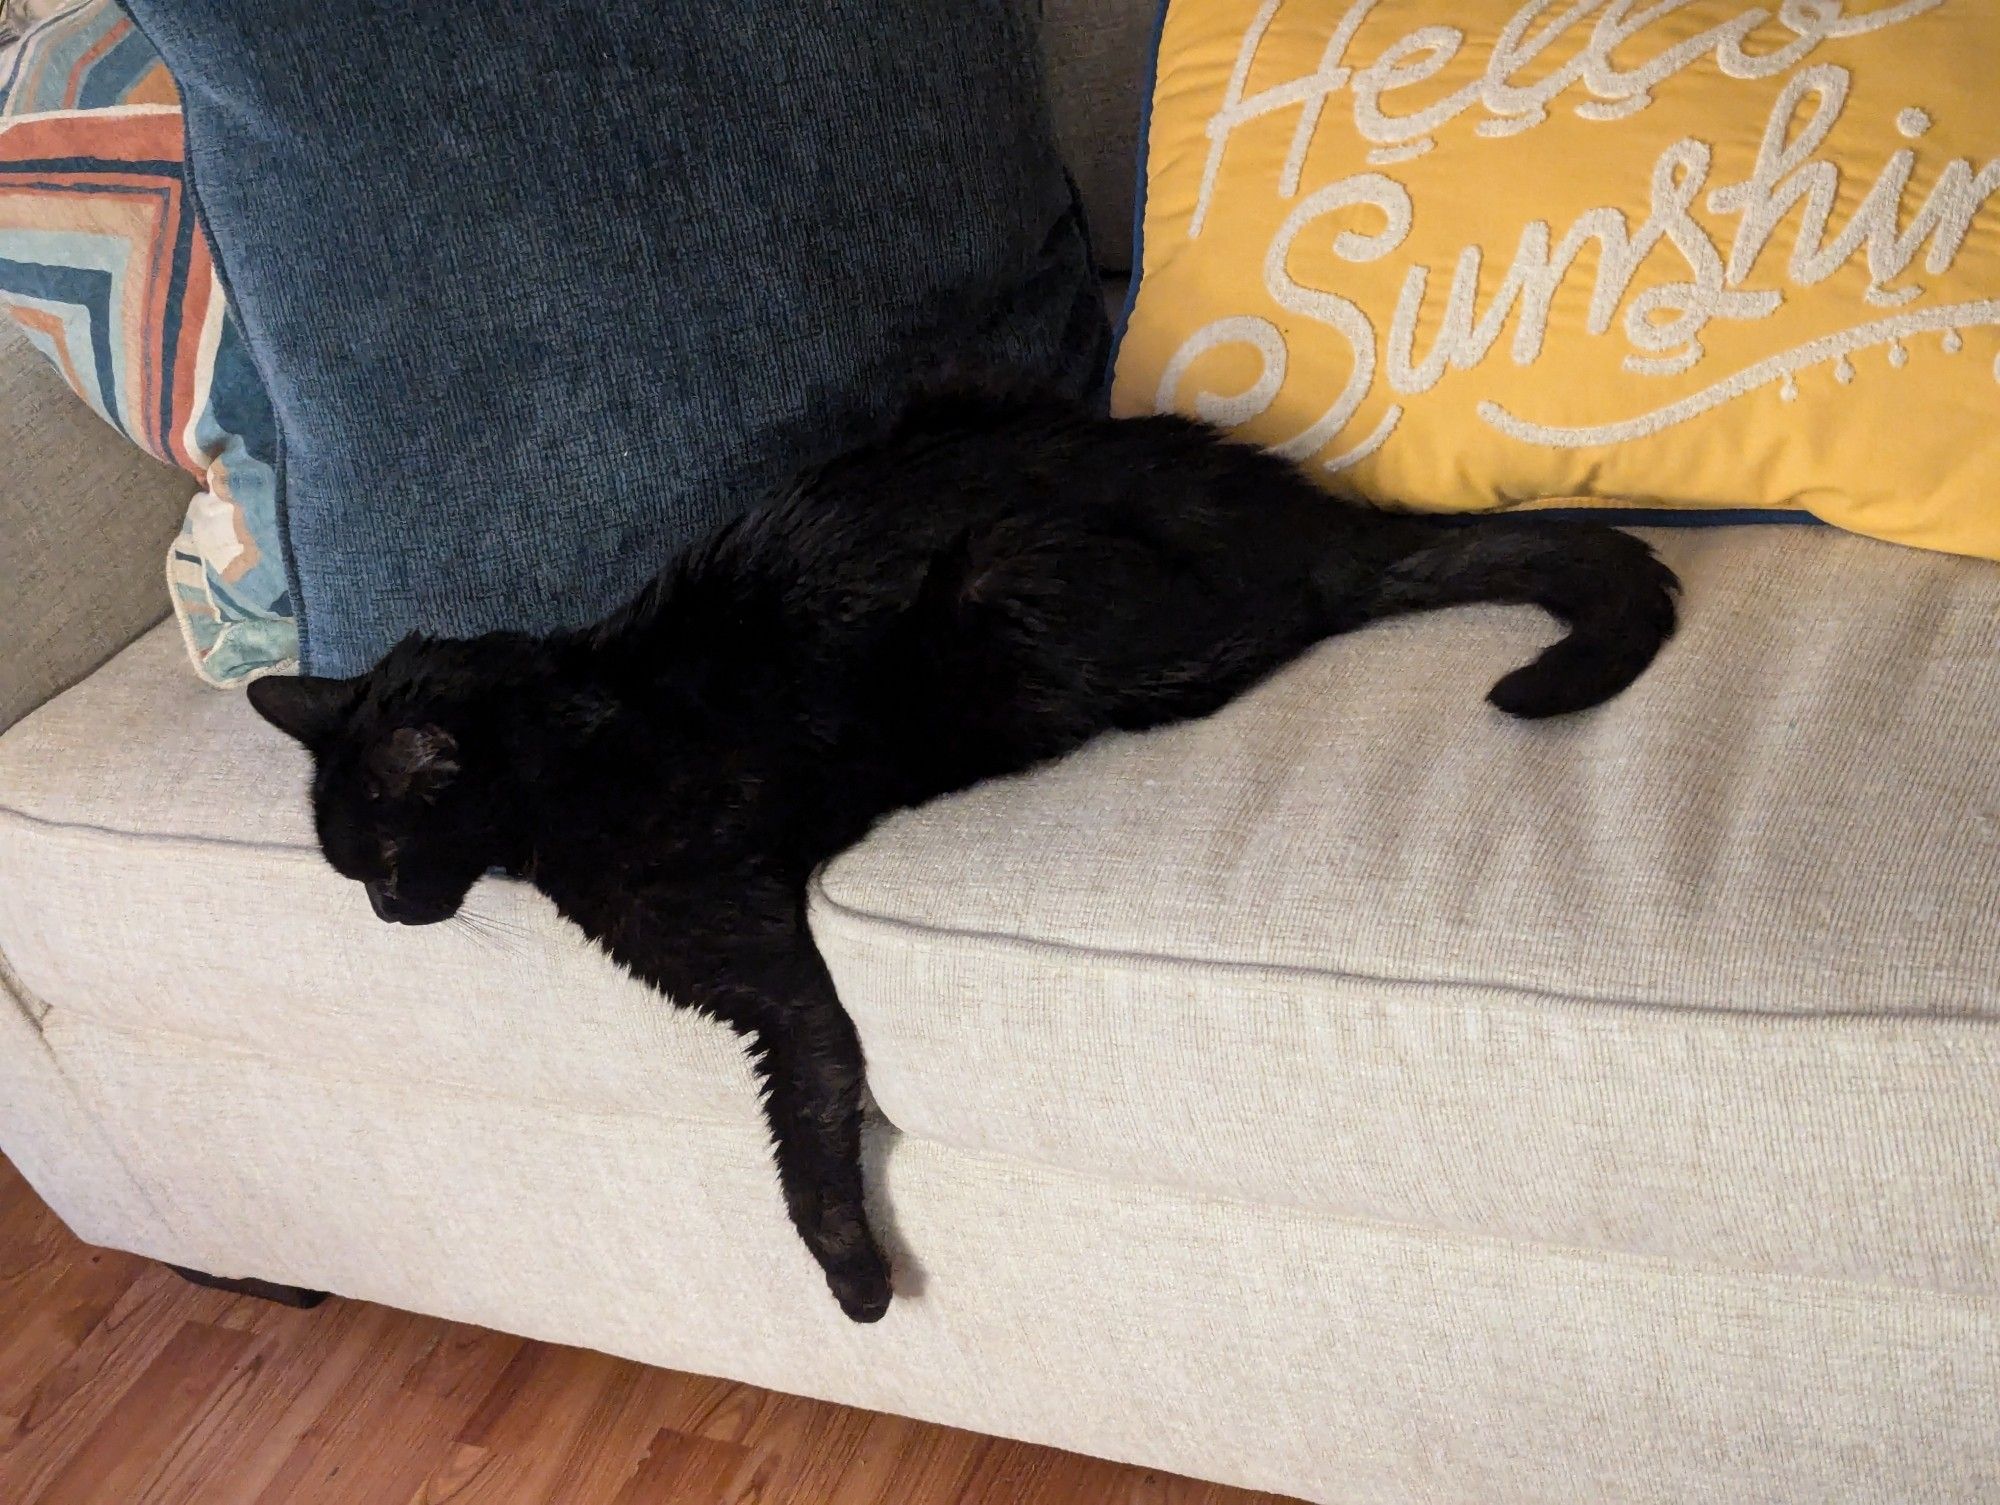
[(86, 517), (1098, 64)]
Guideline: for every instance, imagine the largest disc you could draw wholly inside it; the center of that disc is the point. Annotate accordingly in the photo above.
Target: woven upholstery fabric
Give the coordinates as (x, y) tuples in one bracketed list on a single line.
[(591, 276), (1221, 1172), (84, 519), (1710, 973), (1331, 1359), (182, 848), (1706, 976), (1100, 55)]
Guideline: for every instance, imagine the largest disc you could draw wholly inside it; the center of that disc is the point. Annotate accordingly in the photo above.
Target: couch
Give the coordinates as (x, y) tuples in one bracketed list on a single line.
[(1356, 1095)]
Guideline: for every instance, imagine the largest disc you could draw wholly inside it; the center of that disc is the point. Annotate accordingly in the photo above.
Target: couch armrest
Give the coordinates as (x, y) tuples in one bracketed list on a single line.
[(85, 520)]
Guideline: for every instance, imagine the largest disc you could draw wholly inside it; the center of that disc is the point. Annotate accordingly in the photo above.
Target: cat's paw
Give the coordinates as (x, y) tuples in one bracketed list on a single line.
[(862, 1287)]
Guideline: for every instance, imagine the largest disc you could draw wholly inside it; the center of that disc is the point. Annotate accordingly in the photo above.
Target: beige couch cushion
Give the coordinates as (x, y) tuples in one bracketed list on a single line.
[(1266, 1346), (1711, 974), (160, 875)]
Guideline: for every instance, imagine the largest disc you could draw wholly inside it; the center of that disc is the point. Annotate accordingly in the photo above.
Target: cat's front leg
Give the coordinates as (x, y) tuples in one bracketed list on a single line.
[(749, 959), (812, 1069)]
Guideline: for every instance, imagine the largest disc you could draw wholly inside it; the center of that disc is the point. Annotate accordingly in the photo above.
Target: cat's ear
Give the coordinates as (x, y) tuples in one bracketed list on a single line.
[(304, 706), (415, 761)]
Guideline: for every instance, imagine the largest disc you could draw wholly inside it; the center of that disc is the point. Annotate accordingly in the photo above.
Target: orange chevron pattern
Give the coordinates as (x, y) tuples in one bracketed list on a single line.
[(104, 267)]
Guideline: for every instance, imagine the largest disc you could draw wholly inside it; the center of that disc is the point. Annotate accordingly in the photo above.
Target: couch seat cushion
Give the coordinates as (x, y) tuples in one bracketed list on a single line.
[(160, 874), (1712, 973)]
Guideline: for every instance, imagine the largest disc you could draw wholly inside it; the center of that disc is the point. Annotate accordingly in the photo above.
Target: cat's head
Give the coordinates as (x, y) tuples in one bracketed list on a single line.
[(414, 791)]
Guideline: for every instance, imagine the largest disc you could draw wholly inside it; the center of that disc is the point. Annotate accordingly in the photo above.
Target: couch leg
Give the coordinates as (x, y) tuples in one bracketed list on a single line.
[(263, 1290)]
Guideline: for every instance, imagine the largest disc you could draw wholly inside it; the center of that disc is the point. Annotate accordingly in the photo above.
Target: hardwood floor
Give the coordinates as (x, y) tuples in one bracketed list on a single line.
[(121, 1384)]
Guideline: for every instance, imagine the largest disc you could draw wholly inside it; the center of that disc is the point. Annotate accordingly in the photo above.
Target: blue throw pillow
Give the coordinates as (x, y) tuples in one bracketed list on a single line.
[(541, 290)]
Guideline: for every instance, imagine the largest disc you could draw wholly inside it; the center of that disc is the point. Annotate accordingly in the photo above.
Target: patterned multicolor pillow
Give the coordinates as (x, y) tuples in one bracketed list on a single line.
[(104, 266)]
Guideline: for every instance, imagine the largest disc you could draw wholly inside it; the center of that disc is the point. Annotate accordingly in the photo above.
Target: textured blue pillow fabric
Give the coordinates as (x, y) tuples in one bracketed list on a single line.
[(542, 289)]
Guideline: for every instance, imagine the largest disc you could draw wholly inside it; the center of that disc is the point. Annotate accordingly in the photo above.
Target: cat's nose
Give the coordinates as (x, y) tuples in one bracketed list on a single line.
[(379, 902)]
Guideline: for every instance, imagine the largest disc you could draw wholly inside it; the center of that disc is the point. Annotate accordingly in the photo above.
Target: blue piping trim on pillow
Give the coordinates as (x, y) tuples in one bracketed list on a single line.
[(1139, 194), (1671, 517)]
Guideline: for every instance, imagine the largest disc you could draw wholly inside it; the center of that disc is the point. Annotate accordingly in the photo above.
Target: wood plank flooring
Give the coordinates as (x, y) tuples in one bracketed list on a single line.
[(120, 1384)]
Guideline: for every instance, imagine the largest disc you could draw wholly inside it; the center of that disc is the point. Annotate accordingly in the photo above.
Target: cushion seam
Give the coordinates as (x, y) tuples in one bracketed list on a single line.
[(1536, 999), (1535, 996), (1658, 1265), (28, 1003), (22, 999), (329, 1071), (13, 813)]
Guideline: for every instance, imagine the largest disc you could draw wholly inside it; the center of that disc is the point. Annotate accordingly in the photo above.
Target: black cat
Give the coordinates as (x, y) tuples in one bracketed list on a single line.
[(990, 586)]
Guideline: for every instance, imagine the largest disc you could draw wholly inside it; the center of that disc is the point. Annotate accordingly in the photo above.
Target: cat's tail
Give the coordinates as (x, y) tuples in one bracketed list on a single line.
[(1607, 587)]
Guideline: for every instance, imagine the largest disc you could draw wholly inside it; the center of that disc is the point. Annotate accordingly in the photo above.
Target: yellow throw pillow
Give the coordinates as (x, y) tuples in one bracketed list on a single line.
[(1464, 254)]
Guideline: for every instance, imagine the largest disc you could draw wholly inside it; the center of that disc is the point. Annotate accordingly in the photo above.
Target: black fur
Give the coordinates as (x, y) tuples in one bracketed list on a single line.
[(994, 584)]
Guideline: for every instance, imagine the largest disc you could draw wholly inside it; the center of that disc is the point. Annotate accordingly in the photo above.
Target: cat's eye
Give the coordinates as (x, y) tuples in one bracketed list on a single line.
[(371, 792)]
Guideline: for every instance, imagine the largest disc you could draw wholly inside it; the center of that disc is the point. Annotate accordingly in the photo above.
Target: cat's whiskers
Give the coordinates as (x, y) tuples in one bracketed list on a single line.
[(496, 923), (494, 934)]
